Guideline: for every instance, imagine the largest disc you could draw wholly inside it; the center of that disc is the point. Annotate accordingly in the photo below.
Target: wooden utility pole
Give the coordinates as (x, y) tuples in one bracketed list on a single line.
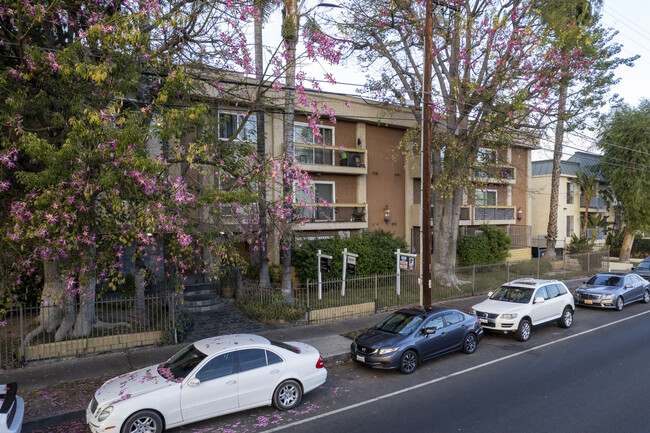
[(425, 253)]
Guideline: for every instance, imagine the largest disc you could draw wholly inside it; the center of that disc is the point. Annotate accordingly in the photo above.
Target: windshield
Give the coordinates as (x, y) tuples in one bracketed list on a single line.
[(643, 266), (399, 323), (520, 295), (605, 280), (181, 364)]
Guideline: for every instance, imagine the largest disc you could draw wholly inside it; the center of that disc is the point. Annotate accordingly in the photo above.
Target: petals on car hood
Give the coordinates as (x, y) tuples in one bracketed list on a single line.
[(132, 384)]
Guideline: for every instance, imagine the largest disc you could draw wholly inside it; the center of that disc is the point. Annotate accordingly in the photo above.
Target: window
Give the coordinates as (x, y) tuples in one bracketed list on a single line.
[(453, 318), (569, 226), (220, 366), (486, 197), (229, 122), (320, 192), (541, 293), (561, 289), (251, 358), (435, 323), (569, 193), (486, 156), (314, 154), (552, 290), (273, 358)]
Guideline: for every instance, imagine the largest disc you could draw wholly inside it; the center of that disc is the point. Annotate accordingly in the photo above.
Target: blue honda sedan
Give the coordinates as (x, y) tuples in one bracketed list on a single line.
[(409, 336)]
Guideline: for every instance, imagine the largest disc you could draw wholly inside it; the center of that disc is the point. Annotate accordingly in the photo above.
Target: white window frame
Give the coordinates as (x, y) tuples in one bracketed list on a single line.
[(570, 226), (479, 201), (313, 212), (315, 145), (243, 134), (570, 192)]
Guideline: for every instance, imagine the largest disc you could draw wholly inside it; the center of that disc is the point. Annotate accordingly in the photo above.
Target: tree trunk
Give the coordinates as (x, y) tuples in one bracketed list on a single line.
[(551, 232), (626, 247), (86, 317), (290, 36), (446, 219), (68, 308), (265, 279), (51, 315)]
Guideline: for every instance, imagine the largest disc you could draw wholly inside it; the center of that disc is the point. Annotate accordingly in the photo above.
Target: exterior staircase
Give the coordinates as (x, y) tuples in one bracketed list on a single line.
[(201, 297)]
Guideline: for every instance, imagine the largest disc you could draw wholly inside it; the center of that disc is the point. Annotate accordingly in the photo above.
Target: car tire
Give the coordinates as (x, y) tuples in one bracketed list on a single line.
[(144, 421), (646, 296), (566, 320), (524, 330), (287, 395), (409, 362), (620, 303), (470, 343)]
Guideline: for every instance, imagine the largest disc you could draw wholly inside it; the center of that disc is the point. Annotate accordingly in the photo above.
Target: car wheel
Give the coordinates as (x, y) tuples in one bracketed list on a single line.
[(567, 318), (287, 395), (523, 331), (409, 362), (619, 303), (145, 421), (646, 296), (470, 343)]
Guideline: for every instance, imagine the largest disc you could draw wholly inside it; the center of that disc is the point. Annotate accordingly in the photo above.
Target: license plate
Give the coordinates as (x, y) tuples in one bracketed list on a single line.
[(361, 358), (587, 301), (483, 320)]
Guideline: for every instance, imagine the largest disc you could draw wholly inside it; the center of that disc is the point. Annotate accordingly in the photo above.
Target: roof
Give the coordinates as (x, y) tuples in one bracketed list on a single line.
[(531, 282), (217, 344), (578, 162), (423, 310)]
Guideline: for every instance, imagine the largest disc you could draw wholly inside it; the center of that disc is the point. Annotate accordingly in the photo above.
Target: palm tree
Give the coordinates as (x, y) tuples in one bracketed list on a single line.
[(588, 186), (596, 222)]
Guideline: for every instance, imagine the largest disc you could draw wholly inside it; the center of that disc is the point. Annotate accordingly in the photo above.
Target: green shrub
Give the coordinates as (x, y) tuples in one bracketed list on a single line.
[(641, 248), (184, 326), (578, 245), (274, 311), (375, 249), (489, 245)]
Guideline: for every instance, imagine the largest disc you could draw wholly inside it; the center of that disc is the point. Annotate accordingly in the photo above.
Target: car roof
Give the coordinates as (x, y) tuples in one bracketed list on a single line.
[(530, 282), (213, 345), (427, 310)]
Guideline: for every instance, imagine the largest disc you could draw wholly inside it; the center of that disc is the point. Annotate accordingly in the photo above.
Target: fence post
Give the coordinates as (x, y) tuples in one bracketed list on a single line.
[(173, 305), (588, 262), (508, 269), (473, 278), (539, 257), (308, 308), (376, 293), (22, 330)]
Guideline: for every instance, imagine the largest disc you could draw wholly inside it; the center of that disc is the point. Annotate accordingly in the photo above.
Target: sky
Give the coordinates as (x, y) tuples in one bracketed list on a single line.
[(628, 17)]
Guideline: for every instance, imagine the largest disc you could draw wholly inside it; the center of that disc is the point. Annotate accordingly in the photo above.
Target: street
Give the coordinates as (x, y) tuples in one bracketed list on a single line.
[(592, 377)]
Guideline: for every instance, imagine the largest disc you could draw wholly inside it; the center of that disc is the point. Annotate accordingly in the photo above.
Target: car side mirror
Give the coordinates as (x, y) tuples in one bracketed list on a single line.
[(628, 286), (539, 300), (490, 294), (193, 382), (429, 331)]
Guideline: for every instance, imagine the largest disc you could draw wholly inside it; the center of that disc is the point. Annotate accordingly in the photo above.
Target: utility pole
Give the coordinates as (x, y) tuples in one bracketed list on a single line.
[(425, 254)]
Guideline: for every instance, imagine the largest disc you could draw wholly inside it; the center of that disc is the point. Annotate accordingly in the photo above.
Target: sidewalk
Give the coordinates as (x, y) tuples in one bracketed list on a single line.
[(327, 338)]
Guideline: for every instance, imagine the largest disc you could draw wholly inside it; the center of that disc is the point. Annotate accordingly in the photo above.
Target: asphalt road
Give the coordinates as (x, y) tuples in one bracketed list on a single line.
[(592, 378)]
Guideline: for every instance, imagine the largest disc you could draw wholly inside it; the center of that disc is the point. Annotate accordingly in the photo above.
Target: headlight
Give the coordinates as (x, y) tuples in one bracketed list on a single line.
[(388, 350), (105, 414), (610, 296), (509, 316), (472, 312)]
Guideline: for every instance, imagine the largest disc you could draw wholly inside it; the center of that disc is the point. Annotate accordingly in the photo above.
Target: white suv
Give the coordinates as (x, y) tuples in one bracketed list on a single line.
[(519, 305)]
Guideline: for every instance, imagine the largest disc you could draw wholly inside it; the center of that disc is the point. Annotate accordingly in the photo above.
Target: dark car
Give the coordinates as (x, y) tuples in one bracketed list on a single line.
[(608, 290), (642, 269), (409, 336)]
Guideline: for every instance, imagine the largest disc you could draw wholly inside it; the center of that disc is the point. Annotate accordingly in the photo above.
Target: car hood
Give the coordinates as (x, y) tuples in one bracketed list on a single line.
[(377, 338), (499, 307), (589, 288), (129, 385)]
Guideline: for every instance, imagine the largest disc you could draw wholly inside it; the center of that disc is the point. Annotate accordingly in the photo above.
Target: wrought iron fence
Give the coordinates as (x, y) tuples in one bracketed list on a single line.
[(116, 324), (332, 300)]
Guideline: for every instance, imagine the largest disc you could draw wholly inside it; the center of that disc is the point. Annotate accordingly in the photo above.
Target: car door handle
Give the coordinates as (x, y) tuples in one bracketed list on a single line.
[(274, 371), (231, 382)]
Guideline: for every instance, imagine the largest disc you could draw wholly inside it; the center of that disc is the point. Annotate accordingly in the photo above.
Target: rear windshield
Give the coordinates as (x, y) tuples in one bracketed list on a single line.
[(519, 295), (399, 323), (605, 280), (286, 346)]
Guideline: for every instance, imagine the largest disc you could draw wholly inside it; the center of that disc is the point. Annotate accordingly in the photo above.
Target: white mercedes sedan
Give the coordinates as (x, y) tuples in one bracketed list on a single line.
[(211, 377)]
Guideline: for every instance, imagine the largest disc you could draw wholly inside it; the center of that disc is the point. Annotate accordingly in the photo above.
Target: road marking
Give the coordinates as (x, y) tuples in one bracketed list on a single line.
[(440, 379)]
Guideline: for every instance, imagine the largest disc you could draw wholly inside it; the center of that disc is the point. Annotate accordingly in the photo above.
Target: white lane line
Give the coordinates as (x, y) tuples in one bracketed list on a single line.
[(439, 379)]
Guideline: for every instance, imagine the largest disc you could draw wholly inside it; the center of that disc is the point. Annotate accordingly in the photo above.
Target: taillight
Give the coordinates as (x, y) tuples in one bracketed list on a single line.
[(320, 364)]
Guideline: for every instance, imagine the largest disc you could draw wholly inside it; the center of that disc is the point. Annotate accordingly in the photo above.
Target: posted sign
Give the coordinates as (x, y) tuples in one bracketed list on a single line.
[(406, 262)]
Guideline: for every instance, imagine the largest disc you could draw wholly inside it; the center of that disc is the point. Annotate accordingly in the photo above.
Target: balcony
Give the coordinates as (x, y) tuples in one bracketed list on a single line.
[(331, 159), (596, 203), (500, 175), (338, 216), (494, 215)]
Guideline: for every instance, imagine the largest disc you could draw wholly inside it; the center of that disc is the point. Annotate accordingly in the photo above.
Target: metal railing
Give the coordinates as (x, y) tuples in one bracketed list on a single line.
[(330, 301), (116, 324)]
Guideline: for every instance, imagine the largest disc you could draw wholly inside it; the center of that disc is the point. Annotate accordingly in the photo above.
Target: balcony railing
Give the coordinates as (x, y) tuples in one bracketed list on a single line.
[(335, 213), (594, 203), (475, 215), (501, 173), (330, 155)]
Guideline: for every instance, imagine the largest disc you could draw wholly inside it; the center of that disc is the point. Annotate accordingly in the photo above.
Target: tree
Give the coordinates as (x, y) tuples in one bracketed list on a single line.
[(624, 138), (596, 223), (573, 28), (493, 75), (588, 186)]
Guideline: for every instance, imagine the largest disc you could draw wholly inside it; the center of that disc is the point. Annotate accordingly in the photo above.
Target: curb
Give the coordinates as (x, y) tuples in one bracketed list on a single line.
[(44, 422)]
